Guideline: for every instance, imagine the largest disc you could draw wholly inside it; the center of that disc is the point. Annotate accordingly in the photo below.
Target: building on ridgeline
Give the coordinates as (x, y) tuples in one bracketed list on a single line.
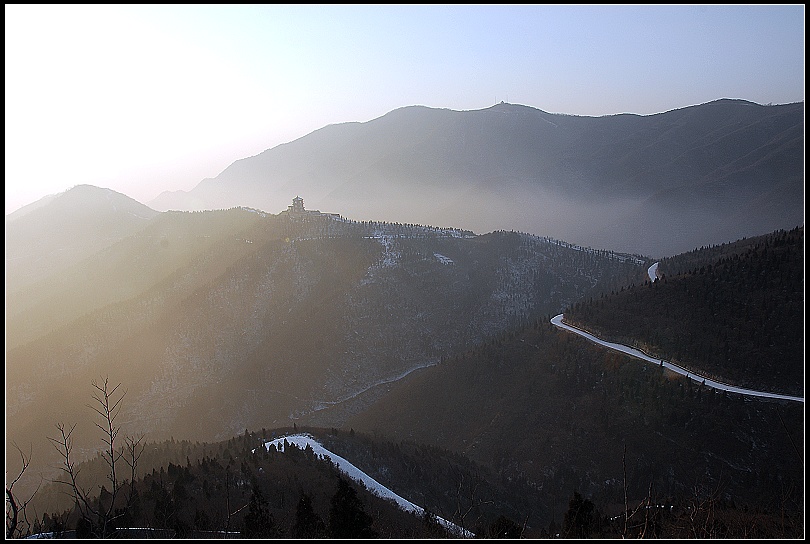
[(296, 210), (297, 206)]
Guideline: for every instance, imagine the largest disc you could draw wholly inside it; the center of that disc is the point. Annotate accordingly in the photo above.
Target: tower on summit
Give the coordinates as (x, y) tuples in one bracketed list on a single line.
[(297, 205), (296, 211)]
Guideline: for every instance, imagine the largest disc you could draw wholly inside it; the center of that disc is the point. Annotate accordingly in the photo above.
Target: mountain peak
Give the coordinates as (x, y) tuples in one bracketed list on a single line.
[(68, 227), (81, 199)]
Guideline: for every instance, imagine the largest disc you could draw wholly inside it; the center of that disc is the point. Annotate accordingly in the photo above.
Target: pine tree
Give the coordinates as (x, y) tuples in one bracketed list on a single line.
[(504, 527), (579, 519), (347, 517), (307, 523), (259, 521)]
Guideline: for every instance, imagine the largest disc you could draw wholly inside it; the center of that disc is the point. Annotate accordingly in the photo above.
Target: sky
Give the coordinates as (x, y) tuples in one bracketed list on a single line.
[(146, 98)]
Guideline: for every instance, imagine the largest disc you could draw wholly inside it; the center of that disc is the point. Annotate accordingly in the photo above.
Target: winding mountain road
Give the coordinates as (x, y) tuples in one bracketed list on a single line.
[(652, 272), (557, 321)]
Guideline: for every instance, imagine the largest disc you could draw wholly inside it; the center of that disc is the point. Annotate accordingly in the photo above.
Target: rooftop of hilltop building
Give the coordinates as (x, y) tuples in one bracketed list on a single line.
[(296, 209), (297, 205)]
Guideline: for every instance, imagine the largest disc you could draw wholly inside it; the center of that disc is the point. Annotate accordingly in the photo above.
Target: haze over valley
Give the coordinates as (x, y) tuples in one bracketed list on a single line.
[(308, 272), (656, 185)]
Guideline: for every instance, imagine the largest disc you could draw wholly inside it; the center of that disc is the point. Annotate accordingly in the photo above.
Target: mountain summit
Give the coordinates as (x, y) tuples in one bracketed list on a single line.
[(63, 229)]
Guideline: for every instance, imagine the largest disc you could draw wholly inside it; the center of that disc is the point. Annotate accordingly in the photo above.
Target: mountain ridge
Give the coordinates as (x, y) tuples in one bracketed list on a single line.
[(686, 177)]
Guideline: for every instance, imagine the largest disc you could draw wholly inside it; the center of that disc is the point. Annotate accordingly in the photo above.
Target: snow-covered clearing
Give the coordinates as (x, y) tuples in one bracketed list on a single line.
[(442, 259), (301, 441)]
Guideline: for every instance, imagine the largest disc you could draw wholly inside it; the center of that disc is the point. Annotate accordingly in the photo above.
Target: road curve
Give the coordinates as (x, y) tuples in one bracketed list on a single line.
[(557, 321), (652, 272)]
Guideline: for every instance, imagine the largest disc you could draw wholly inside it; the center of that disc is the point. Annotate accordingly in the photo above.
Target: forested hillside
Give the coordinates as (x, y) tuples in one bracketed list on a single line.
[(236, 487), (193, 489), (242, 489), (734, 312), (547, 407), (568, 416)]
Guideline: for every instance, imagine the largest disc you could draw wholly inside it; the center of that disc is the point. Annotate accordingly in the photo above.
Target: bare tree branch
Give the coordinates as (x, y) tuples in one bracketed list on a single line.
[(14, 529), (107, 406), (64, 445)]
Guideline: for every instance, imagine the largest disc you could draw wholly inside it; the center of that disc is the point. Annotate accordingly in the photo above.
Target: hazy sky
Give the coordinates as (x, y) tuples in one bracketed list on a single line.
[(142, 99)]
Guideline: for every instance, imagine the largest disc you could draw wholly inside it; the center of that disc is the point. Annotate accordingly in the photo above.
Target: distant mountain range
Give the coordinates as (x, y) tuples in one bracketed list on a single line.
[(656, 185)]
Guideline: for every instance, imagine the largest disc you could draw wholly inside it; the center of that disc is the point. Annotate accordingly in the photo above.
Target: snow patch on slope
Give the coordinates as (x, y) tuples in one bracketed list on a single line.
[(301, 441), (442, 259)]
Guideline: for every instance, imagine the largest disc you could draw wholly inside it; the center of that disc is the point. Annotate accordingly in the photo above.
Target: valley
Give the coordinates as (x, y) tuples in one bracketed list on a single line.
[(220, 323)]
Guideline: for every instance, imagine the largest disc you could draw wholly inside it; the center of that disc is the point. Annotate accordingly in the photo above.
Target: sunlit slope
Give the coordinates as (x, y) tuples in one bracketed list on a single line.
[(47, 236), (127, 267), (282, 319)]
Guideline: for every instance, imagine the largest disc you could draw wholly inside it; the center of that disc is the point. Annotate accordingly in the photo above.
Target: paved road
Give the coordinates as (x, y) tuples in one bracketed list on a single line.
[(557, 321), (652, 272)]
